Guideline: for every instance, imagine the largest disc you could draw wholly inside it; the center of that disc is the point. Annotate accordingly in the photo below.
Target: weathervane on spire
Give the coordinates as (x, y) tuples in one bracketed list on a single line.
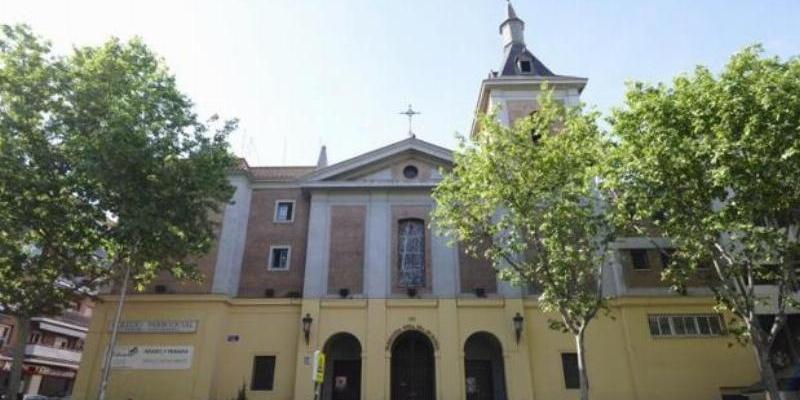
[(410, 113)]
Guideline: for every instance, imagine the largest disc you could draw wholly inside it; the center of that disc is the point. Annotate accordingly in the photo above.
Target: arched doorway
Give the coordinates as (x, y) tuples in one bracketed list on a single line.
[(484, 373), (342, 368), (413, 374)]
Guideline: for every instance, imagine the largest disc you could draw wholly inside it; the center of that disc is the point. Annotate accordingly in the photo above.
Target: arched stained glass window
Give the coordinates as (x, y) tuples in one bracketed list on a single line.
[(411, 252)]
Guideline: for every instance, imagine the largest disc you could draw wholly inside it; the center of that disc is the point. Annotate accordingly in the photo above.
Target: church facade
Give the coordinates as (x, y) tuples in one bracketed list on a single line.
[(340, 258)]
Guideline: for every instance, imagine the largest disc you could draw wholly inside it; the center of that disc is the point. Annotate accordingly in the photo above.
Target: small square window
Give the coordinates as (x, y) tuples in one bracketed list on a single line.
[(263, 373), (569, 363), (525, 66), (284, 211), (279, 257), (639, 259)]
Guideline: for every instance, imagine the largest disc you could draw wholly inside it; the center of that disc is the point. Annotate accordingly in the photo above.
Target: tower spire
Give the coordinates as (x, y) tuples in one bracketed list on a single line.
[(511, 12), (322, 160), (512, 29)]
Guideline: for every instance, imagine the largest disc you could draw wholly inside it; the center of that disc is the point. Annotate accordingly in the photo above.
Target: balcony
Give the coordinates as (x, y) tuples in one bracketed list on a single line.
[(64, 355)]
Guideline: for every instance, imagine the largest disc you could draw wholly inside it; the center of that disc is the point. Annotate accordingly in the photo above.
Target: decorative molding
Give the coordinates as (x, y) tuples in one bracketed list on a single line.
[(417, 328)]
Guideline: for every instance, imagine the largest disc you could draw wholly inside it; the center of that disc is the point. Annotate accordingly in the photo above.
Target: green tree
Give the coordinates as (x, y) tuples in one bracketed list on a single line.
[(526, 198), (712, 162), (104, 167)]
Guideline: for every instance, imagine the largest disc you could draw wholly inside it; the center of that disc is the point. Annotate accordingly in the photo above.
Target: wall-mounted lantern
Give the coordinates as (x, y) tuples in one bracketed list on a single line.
[(518, 326), (307, 320)]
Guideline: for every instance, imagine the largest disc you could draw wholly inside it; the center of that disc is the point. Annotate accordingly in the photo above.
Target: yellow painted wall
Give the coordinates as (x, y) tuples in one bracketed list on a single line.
[(624, 361)]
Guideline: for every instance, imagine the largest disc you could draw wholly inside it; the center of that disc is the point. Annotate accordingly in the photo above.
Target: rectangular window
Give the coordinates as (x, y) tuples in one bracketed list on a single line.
[(284, 211), (664, 325), (5, 334), (263, 373), (639, 259), (654, 329), (569, 363), (685, 325), (411, 252), (60, 342), (35, 338), (279, 257), (666, 257)]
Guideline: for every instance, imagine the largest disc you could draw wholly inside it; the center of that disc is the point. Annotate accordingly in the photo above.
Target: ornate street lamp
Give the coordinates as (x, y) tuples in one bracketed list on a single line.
[(307, 320), (518, 325)]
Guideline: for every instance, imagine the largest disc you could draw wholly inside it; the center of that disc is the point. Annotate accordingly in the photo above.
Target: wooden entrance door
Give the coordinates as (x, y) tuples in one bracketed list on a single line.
[(346, 380), (479, 381), (413, 368)]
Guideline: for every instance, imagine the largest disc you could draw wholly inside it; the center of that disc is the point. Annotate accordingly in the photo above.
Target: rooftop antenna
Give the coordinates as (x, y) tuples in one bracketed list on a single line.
[(410, 113)]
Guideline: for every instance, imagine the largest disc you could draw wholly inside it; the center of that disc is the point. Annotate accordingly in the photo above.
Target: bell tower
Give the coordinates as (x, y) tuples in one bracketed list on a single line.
[(514, 89)]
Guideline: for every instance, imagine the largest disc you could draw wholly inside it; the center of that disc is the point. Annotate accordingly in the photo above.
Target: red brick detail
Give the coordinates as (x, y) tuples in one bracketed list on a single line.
[(476, 272), (346, 257), (205, 266), (263, 232)]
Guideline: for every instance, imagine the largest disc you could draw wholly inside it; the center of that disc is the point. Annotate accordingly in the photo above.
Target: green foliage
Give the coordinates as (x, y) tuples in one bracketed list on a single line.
[(103, 164), (716, 158), (526, 198), (49, 235)]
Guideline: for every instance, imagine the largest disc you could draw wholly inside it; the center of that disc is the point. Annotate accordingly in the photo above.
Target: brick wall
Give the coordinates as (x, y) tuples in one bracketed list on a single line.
[(643, 278), (205, 266), (263, 232), (476, 272), (346, 257)]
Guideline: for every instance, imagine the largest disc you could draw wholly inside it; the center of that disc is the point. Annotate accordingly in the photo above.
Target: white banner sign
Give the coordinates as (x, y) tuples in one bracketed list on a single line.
[(157, 326), (152, 357)]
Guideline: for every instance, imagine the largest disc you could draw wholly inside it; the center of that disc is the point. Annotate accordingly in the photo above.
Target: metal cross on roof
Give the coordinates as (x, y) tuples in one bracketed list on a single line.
[(410, 113)]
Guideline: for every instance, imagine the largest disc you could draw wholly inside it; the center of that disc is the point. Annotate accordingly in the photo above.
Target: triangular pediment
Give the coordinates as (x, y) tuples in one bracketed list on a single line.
[(388, 165)]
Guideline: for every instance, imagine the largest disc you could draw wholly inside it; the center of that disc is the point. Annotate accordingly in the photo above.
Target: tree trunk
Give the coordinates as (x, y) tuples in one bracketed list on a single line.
[(21, 339), (583, 376), (764, 362)]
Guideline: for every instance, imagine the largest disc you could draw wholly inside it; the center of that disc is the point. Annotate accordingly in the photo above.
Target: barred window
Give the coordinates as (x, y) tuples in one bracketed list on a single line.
[(284, 211), (279, 258), (685, 325), (411, 252)]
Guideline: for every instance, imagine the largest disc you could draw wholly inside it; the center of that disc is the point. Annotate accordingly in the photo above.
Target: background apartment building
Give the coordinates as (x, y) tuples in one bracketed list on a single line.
[(53, 351)]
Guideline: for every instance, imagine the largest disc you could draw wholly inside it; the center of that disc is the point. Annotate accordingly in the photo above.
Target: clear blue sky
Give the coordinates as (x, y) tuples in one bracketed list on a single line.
[(300, 73)]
